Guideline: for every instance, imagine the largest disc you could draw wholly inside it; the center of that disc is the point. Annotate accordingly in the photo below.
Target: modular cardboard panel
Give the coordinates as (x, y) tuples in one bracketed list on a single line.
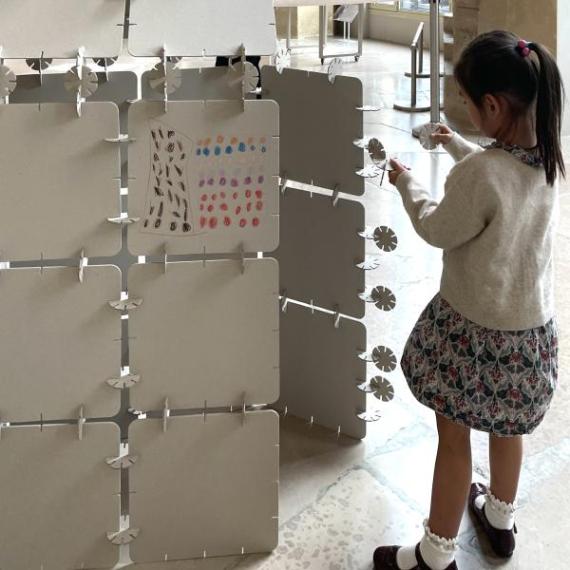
[(204, 177), (208, 83), (117, 86), (320, 369), (319, 251), (205, 488), (185, 28), (58, 28), (205, 333), (60, 181), (59, 343), (59, 497), (320, 121)]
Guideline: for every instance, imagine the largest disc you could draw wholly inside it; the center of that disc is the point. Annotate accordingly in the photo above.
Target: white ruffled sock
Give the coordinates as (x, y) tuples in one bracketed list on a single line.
[(437, 552), (500, 515), (406, 558)]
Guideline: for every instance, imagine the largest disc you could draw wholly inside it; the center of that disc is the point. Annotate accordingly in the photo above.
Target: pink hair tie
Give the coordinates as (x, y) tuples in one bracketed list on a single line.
[(523, 48)]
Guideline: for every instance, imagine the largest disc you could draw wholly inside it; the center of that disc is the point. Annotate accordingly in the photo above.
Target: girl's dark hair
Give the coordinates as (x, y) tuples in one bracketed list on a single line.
[(497, 63)]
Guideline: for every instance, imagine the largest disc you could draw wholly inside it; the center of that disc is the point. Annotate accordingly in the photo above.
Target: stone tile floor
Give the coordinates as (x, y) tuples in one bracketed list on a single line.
[(340, 499)]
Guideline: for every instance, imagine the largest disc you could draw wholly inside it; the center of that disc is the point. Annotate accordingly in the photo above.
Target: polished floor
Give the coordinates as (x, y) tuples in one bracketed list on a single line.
[(340, 499)]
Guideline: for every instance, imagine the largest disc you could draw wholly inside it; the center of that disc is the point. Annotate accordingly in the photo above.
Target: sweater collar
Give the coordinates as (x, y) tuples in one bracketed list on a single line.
[(530, 157)]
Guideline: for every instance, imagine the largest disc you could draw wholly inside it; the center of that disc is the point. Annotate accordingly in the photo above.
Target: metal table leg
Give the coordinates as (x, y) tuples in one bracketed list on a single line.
[(322, 32), (361, 16), (289, 29)]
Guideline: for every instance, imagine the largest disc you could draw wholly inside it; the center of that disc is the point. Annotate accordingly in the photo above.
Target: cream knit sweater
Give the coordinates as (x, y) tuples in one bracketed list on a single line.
[(496, 226)]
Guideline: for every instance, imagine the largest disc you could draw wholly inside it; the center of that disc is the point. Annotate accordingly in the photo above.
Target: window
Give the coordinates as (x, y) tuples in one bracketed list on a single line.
[(413, 5)]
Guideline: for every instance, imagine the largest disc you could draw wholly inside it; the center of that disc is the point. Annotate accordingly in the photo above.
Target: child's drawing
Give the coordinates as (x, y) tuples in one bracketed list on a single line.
[(216, 184), (230, 179), (168, 207)]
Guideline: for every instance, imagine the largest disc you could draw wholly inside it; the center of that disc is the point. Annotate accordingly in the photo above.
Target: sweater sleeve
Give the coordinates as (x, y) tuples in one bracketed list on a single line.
[(459, 148), (459, 217)]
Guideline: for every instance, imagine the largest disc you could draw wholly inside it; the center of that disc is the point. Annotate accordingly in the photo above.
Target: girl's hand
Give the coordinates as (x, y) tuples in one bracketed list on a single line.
[(398, 168), (443, 135)]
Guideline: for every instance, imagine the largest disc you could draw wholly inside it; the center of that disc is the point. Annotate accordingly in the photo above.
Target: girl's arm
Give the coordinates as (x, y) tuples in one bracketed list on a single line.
[(454, 143), (459, 148), (459, 217)]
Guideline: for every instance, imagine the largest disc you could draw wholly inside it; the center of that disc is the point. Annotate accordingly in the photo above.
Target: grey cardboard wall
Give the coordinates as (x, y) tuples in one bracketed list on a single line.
[(183, 28), (205, 333), (54, 201), (319, 251), (205, 487), (59, 497), (58, 28), (319, 123), (320, 369), (59, 343)]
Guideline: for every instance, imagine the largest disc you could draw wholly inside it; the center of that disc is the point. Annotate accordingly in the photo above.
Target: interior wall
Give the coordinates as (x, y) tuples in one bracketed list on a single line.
[(563, 50), (536, 21), (546, 22), (304, 21), (396, 27)]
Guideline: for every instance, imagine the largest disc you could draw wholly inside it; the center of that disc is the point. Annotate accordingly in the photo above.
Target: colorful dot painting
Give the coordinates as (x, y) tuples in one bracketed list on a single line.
[(242, 207), (221, 178), (221, 146)]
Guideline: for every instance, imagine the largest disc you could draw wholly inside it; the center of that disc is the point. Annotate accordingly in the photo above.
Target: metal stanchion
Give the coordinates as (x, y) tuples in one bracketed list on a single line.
[(420, 55), (435, 62), (435, 50), (416, 48), (420, 68)]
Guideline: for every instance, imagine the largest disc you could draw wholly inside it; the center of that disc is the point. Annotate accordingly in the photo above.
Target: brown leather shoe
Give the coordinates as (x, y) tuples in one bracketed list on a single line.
[(502, 541), (385, 559)]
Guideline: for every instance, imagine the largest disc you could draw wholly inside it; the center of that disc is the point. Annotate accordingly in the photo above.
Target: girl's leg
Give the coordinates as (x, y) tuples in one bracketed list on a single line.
[(494, 506), (452, 478), (451, 482), (505, 460)]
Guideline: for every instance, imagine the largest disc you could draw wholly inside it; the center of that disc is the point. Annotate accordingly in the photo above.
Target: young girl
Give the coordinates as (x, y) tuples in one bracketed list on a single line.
[(483, 354)]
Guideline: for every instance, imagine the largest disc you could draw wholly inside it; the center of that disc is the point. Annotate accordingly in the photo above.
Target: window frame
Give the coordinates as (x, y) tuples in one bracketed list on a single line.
[(396, 6)]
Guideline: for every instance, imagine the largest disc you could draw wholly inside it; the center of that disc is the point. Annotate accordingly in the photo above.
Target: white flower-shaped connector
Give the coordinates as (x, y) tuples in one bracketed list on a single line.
[(282, 60), (245, 73), (424, 134), (38, 64), (105, 62), (8, 81), (382, 297), (384, 359), (382, 388), (370, 263), (335, 69), (168, 74), (378, 154), (369, 417), (377, 151), (81, 80), (385, 238)]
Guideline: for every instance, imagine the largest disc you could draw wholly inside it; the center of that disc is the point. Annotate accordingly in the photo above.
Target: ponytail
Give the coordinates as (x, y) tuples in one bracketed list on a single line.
[(500, 63), (549, 109)]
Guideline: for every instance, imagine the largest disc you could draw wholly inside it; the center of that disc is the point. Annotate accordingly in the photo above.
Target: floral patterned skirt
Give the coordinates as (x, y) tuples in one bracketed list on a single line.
[(500, 382)]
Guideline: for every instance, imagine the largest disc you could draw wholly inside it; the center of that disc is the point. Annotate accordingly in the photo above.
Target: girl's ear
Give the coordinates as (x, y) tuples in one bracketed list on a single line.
[(493, 105)]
